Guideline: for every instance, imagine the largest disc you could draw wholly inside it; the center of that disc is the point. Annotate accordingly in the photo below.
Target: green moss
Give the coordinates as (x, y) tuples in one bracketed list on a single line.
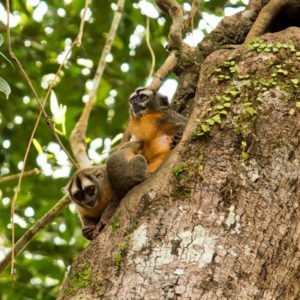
[(201, 157), (177, 170), (117, 259), (244, 97), (121, 252), (79, 280), (115, 223)]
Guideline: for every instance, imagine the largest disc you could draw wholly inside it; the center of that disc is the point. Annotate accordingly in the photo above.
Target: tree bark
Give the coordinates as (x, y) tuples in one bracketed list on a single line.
[(220, 218)]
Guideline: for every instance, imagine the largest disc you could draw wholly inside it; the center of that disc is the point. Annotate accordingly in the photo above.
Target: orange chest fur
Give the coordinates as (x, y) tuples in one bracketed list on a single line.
[(156, 137), (145, 128)]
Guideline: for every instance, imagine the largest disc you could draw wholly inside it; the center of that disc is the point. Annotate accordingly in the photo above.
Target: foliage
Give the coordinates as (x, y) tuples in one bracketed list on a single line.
[(38, 40)]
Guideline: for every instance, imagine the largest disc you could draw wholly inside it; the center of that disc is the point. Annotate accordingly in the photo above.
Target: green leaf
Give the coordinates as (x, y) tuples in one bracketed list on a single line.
[(205, 128), (251, 110), (295, 81), (4, 87), (217, 119), (37, 146), (244, 155), (223, 112), (210, 121), (1, 40), (1, 54), (219, 106)]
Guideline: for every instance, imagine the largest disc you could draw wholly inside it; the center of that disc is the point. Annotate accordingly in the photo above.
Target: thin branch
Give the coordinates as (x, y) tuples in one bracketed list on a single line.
[(150, 48), (35, 171), (78, 135), (82, 21), (41, 105), (31, 232), (178, 27), (190, 20), (42, 111), (175, 11), (163, 71)]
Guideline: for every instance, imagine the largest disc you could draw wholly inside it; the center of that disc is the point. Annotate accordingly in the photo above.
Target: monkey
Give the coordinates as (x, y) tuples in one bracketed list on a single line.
[(97, 191), (155, 124)]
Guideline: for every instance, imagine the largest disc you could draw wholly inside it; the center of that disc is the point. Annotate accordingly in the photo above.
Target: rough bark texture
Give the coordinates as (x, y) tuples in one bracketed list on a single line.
[(220, 219)]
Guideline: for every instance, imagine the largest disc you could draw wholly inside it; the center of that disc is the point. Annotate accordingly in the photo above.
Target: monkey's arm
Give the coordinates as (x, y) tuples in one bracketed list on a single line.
[(89, 227), (175, 118), (179, 122)]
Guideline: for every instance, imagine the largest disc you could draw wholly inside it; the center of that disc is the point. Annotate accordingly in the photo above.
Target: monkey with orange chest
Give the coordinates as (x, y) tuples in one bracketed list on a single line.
[(154, 124)]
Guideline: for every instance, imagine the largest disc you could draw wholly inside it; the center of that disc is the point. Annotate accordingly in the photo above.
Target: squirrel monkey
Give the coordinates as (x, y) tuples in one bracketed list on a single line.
[(97, 191), (155, 124)]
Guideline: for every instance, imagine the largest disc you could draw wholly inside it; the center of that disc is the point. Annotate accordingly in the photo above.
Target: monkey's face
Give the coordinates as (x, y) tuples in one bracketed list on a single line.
[(86, 187), (144, 100)]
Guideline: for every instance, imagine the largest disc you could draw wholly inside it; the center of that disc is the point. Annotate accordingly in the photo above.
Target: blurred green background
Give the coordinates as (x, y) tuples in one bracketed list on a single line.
[(41, 33)]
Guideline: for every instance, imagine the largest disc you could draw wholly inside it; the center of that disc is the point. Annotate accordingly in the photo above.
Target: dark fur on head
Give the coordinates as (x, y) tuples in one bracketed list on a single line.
[(144, 100)]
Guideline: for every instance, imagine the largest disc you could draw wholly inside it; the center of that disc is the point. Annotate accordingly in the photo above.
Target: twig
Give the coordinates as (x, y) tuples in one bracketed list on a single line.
[(31, 232), (175, 11), (35, 171), (82, 21), (163, 71), (150, 48), (42, 111), (41, 105), (178, 27), (190, 20), (78, 135)]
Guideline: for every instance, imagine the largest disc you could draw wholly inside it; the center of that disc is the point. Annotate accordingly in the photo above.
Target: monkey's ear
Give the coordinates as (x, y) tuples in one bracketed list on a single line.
[(164, 101), (139, 89)]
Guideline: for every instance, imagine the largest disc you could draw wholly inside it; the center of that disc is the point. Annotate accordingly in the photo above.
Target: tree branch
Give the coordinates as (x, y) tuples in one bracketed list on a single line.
[(35, 171), (190, 20), (78, 135), (164, 70), (175, 11), (31, 232)]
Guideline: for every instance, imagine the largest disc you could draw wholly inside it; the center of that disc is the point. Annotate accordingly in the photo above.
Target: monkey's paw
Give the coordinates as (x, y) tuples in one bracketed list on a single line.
[(88, 231)]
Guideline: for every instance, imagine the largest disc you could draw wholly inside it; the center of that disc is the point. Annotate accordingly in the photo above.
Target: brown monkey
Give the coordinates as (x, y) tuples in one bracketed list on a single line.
[(155, 124), (98, 190)]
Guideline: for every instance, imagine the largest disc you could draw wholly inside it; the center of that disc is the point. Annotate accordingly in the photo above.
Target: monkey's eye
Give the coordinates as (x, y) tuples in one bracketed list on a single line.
[(90, 190), (79, 196), (144, 97)]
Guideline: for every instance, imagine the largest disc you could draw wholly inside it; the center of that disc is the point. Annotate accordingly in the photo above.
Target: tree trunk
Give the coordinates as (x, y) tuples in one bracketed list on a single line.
[(220, 218)]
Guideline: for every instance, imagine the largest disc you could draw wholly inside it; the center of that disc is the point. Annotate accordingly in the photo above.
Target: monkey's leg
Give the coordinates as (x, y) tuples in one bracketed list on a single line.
[(126, 169)]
